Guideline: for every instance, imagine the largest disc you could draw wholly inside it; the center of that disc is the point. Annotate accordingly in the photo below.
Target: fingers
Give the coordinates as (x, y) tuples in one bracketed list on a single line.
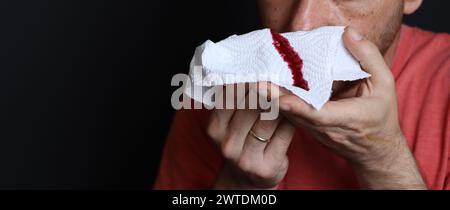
[(230, 129), (333, 113), (254, 148), (221, 116), (278, 146), (368, 56), (292, 104), (219, 119), (237, 132), (271, 91)]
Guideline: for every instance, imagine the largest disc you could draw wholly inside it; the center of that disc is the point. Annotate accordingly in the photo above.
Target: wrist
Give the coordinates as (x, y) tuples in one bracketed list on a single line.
[(384, 153), (393, 167)]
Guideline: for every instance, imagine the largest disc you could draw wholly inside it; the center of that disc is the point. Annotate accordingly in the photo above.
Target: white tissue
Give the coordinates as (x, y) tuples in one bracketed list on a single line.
[(252, 57)]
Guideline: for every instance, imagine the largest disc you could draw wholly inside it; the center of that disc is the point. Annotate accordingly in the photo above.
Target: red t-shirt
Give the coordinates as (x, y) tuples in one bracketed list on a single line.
[(422, 71)]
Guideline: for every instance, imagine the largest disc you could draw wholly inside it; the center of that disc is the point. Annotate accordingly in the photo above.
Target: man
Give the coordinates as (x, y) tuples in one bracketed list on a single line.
[(391, 131)]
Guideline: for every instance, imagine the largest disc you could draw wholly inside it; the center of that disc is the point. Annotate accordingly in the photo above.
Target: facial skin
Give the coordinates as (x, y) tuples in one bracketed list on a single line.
[(378, 20)]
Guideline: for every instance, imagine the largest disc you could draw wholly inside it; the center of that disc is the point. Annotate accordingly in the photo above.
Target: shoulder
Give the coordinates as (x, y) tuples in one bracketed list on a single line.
[(428, 50), (423, 60), (436, 44)]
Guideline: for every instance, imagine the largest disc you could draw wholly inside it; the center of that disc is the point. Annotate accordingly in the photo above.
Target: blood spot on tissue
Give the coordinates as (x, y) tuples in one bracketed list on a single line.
[(291, 57)]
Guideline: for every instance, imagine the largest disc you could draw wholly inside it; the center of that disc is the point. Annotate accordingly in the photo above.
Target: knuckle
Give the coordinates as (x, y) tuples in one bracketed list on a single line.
[(246, 165), (265, 124), (285, 163), (370, 47), (284, 137), (212, 132), (228, 151), (214, 128), (267, 172), (369, 51)]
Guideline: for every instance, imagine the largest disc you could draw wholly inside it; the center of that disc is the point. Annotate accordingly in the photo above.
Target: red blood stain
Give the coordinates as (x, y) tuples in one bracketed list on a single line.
[(291, 57)]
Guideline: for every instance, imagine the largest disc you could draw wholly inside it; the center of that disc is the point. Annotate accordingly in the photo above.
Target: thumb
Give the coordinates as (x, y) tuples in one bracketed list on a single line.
[(368, 56)]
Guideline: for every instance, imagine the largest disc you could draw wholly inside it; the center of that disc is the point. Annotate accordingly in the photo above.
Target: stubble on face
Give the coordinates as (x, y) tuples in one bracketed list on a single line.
[(379, 20), (388, 28)]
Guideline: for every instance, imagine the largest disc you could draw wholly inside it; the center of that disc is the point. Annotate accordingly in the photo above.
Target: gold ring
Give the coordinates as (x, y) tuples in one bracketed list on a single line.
[(261, 139)]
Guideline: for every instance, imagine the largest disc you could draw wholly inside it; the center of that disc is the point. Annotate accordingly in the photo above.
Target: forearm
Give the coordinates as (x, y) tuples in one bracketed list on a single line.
[(395, 171)]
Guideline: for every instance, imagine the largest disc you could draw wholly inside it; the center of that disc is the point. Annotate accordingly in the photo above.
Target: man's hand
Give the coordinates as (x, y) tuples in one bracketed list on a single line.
[(250, 163), (363, 126)]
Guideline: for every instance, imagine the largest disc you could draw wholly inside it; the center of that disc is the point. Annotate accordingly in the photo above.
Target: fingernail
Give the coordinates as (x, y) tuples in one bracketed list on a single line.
[(354, 34)]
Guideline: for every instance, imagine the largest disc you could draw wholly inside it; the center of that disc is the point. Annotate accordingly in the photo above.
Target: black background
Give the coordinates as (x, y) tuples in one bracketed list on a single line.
[(85, 84)]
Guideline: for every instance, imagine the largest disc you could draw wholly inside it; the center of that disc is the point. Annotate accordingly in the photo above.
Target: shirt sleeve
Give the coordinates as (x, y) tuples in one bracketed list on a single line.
[(190, 159)]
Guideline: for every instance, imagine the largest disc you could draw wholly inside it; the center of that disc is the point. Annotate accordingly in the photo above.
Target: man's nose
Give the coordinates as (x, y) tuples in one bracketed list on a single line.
[(311, 14)]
